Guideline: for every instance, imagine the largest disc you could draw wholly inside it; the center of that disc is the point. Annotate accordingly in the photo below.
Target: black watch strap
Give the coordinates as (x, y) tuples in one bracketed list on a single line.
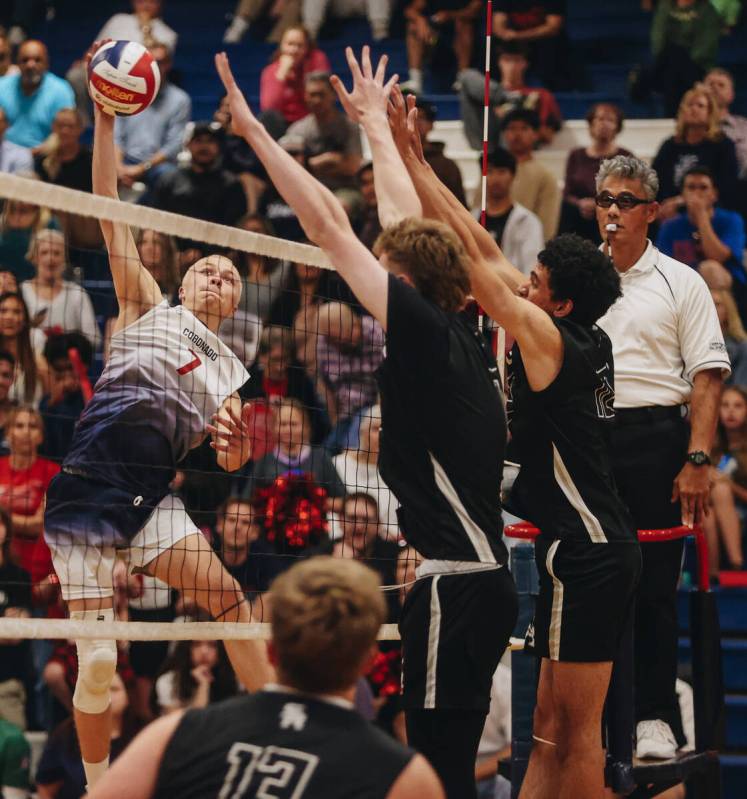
[(698, 458)]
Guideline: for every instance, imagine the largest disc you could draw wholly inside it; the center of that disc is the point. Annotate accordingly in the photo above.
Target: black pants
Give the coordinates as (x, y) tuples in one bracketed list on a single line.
[(647, 456), (448, 740)]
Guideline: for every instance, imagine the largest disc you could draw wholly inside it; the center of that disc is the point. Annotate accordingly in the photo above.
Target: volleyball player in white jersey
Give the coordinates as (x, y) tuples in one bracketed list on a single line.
[(168, 377)]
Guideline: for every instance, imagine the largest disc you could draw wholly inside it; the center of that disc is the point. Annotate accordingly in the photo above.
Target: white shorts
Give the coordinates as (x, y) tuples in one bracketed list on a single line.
[(85, 569)]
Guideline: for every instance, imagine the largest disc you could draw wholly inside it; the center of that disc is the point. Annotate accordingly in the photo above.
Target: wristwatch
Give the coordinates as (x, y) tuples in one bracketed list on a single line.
[(698, 458)]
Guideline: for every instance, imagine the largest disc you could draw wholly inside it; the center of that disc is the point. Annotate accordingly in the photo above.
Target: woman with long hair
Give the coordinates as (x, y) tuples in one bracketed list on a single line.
[(281, 85), (698, 140), (263, 278), (55, 304), (196, 674), (16, 337), (158, 255), (729, 493)]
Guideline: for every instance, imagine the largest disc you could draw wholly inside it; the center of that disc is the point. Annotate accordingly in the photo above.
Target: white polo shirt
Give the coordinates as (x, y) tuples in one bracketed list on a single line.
[(664, 330)]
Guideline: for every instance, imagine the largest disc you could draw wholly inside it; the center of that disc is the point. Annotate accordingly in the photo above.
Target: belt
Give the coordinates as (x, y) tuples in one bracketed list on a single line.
[(650, 413)]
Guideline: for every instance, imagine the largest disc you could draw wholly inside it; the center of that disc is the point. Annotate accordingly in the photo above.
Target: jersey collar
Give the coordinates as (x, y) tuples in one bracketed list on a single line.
[(328, 698)]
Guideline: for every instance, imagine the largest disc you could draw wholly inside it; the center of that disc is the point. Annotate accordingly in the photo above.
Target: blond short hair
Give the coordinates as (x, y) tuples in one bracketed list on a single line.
[(432, 256), (325, 614)]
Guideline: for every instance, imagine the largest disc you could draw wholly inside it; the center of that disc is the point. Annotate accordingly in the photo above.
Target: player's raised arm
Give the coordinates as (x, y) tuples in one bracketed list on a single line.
[(135, 287), (366, 104), (320, 213), (493, 283), (402, 116)]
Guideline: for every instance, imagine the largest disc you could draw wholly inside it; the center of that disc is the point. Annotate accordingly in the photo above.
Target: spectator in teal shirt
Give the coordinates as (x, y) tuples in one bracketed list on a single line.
[(32, 97)]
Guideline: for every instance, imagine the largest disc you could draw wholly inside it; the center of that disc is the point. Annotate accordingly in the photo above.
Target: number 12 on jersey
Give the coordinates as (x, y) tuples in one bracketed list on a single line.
[(270, 772)]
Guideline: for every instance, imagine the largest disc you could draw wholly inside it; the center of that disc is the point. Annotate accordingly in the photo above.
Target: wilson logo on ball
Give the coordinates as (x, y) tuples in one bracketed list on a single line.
[(123, 78)]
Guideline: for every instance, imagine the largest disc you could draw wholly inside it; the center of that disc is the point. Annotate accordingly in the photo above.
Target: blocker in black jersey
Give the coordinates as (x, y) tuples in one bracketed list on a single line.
[(443, 438), (279, 743), (443, 430), (560, 436)]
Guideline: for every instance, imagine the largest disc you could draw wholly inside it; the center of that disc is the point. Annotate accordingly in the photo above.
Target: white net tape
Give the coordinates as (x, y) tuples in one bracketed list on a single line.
[(58, 198)]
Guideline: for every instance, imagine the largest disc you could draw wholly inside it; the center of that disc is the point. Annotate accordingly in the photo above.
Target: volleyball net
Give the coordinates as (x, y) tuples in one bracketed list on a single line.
[(311, 484)]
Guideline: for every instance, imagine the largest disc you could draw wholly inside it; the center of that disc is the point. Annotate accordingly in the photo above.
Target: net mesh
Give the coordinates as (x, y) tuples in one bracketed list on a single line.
[(310, 404)]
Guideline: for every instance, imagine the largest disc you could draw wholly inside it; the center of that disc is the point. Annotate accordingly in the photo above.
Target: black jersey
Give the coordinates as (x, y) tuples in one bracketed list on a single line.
[(279, 743), (443, 430), (560, 436)]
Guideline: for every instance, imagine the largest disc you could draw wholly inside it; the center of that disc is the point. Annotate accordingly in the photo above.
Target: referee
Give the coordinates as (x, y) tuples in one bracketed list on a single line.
[(670, 361), (443, 432)]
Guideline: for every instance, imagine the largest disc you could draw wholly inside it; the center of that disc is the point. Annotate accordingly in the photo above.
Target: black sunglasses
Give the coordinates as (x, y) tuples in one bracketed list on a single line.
[(624, 201)]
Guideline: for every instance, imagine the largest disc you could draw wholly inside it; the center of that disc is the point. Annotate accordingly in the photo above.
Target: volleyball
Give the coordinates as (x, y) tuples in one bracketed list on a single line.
[(123, 78)]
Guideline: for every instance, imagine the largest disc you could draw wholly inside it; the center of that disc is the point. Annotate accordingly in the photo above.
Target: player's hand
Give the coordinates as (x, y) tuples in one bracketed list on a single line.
[(98, 112), (370, 94), (202, 675), (243, 118), (231, 433), (692, 487), (403, 116)]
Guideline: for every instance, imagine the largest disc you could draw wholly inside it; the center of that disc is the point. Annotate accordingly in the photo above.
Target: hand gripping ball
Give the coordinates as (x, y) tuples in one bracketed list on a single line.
[(123, 78)]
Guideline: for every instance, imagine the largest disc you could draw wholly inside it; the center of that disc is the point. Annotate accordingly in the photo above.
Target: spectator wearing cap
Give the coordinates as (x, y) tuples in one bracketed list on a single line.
[(706, 237), (516, 230), (534, 185), (31, 98), (447, 170), (13, 157), (203, 189), (331, 141), (149, 142), (579, 208), (510, 93)]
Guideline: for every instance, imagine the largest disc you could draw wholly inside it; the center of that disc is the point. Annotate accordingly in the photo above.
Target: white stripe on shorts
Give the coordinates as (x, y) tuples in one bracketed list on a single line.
[(434, 632), (556, 614)]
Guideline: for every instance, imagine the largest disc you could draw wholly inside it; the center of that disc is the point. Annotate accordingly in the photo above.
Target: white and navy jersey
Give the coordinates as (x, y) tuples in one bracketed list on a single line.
[(166, 377), (560, 436), (277, 743), (443, 430)]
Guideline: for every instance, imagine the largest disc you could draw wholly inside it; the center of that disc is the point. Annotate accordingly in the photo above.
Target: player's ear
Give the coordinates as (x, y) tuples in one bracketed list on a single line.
[(272, 654), (369, 660), (563, 308)]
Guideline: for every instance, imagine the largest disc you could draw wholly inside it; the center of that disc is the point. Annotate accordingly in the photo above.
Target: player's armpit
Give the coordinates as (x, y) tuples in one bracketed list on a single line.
[(418, 780), (133, 774)]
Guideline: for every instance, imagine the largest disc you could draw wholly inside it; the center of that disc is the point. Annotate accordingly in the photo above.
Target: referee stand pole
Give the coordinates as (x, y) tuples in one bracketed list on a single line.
[(700, 769)]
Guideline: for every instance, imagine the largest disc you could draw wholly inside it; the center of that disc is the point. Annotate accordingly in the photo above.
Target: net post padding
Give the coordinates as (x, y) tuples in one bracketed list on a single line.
[(528, 532), (81, 203)]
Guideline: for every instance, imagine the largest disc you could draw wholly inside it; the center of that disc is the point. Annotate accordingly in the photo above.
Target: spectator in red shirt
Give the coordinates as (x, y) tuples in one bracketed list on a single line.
[(281, 86), (24, 478), (512, 92)]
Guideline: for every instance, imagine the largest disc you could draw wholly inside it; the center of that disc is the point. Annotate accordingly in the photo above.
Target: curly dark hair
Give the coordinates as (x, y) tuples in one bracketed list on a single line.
[(579, 272)]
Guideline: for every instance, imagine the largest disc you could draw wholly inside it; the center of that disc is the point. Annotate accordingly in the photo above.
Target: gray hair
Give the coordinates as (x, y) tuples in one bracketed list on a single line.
[(628, 167)]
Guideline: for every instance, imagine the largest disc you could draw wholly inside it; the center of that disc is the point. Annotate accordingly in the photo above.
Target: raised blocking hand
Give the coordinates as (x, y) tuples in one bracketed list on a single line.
[(370, 94), (242, 118), (403, 116)]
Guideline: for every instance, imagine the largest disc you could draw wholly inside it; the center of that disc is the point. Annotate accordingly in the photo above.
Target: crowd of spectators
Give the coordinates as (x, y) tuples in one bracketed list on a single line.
[(311, 351)]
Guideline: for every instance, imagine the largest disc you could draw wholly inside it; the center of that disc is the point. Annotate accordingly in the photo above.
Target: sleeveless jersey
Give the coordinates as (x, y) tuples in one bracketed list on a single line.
[(443, 430), (166, 376), (560, 436), (276, 743)]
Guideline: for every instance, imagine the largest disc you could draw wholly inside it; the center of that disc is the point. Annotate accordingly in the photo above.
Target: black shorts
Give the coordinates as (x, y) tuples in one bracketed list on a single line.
[(586, 597), (455, 628)]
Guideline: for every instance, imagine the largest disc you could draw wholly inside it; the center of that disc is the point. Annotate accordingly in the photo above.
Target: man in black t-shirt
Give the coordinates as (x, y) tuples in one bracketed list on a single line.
[(540, 24), (561, 388), (299, 738), (443, 429)]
